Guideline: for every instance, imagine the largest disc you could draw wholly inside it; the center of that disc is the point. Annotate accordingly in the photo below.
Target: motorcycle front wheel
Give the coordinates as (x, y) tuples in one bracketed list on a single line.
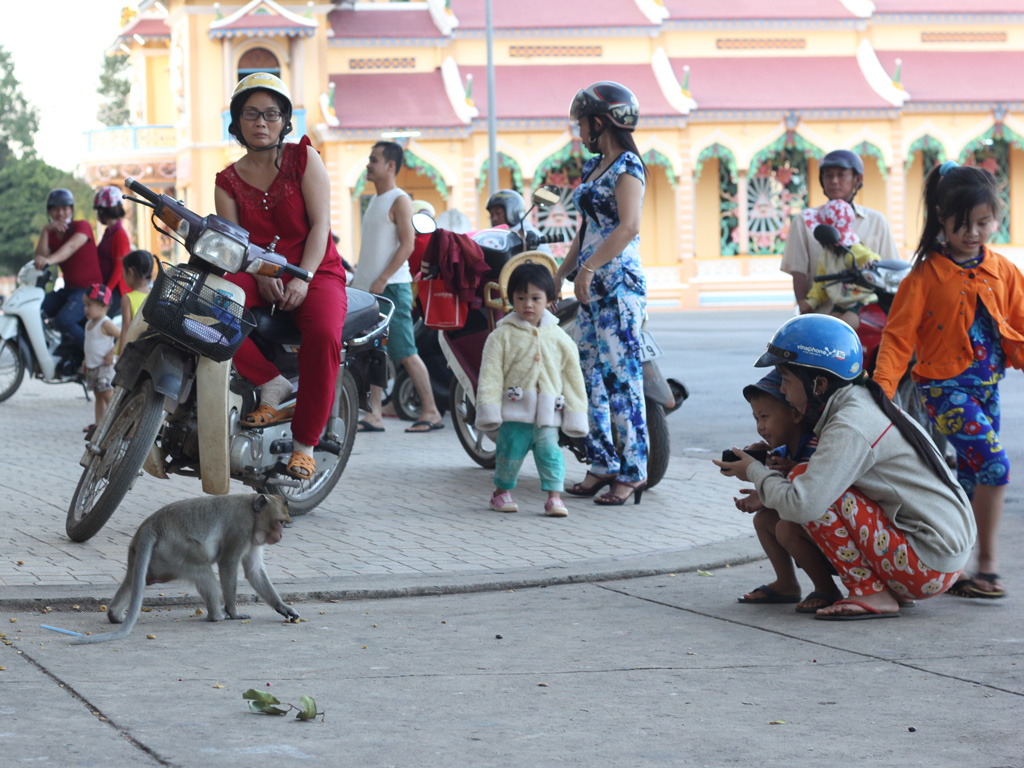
[(12, 368), (304, 495), (113, 468), (479, 446)]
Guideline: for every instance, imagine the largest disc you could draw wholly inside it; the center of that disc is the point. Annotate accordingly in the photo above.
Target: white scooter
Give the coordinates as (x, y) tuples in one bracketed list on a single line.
[(177, 405), (28, 342)]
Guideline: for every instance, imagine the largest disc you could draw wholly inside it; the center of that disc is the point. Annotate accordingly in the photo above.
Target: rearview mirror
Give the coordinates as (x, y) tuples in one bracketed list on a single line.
[(548, 194), (423, 223)]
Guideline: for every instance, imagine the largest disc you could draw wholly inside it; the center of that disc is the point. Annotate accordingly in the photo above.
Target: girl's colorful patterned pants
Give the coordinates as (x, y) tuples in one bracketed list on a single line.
[(969, 418), (869, 553)]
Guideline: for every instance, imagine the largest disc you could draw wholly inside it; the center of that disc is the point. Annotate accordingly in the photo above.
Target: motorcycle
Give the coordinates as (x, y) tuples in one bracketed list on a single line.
[(177, 404), (29, 343), (463, 350), (882, 277)]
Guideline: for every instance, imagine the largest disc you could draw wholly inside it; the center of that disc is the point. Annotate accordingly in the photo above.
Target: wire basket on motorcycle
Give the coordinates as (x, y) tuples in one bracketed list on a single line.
[(204, 320)]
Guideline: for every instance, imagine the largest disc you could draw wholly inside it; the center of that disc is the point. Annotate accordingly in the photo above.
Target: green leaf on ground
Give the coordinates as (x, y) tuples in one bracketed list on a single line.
[(262, 696), (308, 709), (265, 709)]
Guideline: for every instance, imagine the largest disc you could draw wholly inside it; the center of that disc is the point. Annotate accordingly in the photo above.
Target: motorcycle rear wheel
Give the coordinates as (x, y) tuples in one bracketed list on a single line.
[(308, 494), (480, 448), (405, 398), (12, 368), (112, 471), (658, 447)]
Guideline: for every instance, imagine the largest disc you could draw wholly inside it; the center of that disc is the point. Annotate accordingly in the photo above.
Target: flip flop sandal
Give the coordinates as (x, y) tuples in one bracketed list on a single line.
[(974, 587), (264, 416), (770, 596), (959, 588), (815, 596), (870, 612), (301, 465)]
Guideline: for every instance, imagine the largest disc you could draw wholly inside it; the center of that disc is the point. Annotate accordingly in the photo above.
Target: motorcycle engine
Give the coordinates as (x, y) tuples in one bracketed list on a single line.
[(180, 439)]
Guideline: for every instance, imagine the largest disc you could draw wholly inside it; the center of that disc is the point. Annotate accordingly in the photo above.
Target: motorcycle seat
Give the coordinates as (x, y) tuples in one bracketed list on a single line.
[(279, 328)]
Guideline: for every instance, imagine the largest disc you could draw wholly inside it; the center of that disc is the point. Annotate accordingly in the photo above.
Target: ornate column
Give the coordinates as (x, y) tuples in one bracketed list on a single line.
[(896, 189), (741, 211), (686, 213)]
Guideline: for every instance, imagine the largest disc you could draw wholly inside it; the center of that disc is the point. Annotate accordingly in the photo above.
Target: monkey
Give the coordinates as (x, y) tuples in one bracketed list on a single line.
[(185, 539)]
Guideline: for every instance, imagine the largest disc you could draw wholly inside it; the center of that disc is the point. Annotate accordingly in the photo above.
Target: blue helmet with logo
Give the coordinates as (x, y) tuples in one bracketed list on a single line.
[(820, 342)]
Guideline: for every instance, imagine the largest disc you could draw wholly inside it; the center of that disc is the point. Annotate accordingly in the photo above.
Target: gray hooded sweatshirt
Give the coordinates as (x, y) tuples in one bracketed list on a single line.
[(858, 446)]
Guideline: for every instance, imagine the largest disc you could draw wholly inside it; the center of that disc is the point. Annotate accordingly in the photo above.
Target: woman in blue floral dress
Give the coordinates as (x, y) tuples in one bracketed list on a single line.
[(610, 285)]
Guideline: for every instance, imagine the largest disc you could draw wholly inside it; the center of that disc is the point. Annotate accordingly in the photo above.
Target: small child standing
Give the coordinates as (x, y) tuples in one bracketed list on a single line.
[(782, 428), (962, 309), (530, 384), (839, 299), (100, 336), (138, 275)]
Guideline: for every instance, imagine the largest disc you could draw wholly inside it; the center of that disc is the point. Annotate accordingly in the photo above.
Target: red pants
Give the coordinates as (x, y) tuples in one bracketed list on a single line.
[(868, 552), (320, 319)]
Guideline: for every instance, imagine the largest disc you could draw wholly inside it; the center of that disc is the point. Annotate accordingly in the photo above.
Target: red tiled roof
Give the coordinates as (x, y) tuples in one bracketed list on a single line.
[(967, 76), (518, 96), (948, 6), (392, 100), (147, 28), (755, 10), (388, 23), (779, 82), (547, 14)]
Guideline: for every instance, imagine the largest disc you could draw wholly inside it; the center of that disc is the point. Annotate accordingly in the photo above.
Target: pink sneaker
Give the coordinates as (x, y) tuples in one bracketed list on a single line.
[(555, 508), (502, 502)]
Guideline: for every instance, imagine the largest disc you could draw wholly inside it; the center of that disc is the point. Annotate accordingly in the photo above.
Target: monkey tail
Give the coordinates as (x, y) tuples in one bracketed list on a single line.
[(143, 555)]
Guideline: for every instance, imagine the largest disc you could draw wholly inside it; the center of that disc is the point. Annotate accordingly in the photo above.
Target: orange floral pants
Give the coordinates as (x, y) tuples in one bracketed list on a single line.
[(869, 553)]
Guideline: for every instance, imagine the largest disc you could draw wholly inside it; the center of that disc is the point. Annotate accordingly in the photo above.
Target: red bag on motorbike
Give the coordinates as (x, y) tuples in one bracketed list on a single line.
[(442, 310)]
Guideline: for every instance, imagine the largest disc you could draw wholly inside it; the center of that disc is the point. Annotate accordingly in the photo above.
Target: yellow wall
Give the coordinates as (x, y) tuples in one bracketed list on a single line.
[(708, 213)]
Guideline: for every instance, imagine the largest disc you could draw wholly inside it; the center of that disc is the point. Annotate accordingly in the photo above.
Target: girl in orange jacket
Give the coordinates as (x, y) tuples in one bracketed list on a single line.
[(962, 309)]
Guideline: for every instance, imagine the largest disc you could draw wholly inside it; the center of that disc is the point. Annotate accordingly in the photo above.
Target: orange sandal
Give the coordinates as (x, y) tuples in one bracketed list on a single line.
[(264, 416), (301, 465)]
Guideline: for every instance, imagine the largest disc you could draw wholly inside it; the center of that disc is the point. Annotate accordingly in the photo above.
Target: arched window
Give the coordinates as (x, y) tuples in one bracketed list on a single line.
[(258, 60)]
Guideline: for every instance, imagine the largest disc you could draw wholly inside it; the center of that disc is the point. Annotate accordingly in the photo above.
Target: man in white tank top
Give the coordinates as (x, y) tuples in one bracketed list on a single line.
[(383, 268)]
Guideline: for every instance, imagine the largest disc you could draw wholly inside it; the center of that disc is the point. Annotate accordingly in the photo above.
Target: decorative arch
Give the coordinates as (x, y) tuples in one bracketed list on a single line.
[(931, 149), (717, 151), (564, 167), (257, 58), (777, 190), (422, 167), (654, 157), (867, 149), (504, 161)]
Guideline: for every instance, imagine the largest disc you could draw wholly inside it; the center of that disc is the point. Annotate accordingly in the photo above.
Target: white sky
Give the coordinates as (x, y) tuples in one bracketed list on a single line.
[(58, 49)]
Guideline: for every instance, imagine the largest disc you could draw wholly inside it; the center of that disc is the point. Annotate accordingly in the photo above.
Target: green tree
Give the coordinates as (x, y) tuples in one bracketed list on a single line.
[(114, 87), (24, 185), (19, 120)]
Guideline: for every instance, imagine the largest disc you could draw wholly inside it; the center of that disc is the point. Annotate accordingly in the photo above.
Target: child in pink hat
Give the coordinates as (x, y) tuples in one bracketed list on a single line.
[(841, 300)]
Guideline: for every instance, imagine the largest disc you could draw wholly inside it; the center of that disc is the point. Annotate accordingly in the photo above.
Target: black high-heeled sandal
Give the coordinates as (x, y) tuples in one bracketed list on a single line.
[(579, 489), (611, 500)]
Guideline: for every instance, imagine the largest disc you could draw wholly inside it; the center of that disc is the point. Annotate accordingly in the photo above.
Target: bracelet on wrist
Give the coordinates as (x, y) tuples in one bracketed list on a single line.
[(591, 270)]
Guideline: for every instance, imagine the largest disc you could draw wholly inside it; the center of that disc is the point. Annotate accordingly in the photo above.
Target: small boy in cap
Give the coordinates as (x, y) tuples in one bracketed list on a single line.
[(100, 337), (781, 427)]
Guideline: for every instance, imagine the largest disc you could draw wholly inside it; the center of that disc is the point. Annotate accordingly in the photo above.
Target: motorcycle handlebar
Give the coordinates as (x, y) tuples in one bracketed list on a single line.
[(142, 190), (847, 275), (553, 238), (298, 272)]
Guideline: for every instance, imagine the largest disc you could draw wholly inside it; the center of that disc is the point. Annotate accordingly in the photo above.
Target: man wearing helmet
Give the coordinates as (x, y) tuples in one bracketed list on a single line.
[(841, 174), (507, 207), (876, 496), (69, 243)]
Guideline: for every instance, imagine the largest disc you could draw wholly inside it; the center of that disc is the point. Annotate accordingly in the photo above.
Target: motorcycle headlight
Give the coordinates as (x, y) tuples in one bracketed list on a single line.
[(220, 250), (892, 280)]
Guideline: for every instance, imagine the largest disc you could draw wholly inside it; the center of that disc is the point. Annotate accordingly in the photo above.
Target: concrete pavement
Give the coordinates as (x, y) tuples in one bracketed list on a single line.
[(409, 516), (657, 670)]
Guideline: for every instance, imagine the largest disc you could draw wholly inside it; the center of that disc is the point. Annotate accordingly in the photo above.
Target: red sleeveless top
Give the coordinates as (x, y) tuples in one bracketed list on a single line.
[(281, 210)]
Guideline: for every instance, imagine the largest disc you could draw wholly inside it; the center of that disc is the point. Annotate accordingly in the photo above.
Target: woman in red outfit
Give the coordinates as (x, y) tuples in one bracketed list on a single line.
[(283, 190), (114, 245)]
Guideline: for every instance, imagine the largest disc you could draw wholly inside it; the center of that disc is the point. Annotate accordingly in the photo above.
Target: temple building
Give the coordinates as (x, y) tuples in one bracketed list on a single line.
[(739, 100)]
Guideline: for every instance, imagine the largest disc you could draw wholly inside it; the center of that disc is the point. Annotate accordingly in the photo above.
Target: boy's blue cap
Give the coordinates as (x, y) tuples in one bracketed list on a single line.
[(770, 385)]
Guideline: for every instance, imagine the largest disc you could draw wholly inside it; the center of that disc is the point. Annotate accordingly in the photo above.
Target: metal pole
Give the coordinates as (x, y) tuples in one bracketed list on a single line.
[(492, 121)]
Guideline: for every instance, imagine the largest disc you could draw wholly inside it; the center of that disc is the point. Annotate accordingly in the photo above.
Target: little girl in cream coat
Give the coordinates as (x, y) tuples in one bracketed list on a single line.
[(530, 384)]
